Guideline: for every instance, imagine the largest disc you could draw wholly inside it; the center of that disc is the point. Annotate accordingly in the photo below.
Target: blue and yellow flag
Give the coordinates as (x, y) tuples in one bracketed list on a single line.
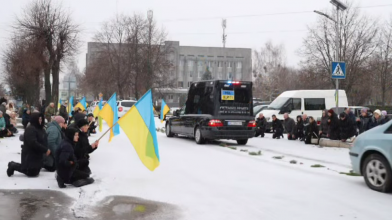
[(82, 104), (139, 126), (99, 117), (70, 105), (59, 105), (164, 110), (109, 113)]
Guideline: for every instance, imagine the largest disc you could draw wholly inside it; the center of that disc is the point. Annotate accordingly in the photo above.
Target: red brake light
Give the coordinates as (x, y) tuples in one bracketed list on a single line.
[(120, 109), (252, 124), (215, 123)]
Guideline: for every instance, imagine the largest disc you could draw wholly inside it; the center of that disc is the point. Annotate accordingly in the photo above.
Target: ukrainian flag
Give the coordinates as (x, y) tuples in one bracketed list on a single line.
[(139, 126), (164, 110), (70, 105), (82, 104), (99, 117), (59, 105), (109, 113)]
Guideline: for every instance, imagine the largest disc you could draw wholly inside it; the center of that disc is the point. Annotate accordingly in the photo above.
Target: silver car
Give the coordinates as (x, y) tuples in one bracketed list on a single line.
[(371, 156)]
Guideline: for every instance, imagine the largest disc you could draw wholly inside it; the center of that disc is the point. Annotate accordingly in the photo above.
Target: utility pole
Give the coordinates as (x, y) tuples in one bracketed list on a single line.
[(224, 36), (339, 6)]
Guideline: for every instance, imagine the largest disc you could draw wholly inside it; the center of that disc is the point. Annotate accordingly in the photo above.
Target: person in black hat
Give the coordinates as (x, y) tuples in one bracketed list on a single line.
[(92, 125), (66, 162), (35, 145), (277, 128), (83, 147)]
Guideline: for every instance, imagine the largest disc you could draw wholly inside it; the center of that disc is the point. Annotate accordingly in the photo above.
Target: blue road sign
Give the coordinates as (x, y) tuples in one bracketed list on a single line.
[(338, 70)]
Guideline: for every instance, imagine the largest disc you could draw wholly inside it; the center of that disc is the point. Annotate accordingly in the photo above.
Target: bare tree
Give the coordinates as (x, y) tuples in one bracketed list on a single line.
[(51, 23), (132, 56), (381, 61), (357, 43), (24, 65)]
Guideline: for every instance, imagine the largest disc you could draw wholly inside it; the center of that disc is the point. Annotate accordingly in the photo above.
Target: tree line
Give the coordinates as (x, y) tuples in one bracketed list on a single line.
[(364, 44)]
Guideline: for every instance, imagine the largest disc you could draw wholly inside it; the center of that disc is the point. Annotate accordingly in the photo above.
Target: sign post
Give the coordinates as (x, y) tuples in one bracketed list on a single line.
[(338, 72)]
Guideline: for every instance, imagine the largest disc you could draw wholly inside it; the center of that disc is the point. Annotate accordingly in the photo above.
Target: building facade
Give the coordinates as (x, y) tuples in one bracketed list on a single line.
[(190, 63)]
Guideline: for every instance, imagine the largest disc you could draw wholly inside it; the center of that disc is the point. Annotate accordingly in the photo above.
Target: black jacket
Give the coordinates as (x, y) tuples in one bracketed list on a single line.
[(374, 123), (83, 147), (300, 125), (261, 123), (333, 130), (306, 125), (64, 155), (324, 123), (63, 112), (289, 125), (363, 124), (347, 128), (34, 143), (277, 126), (312, 130)]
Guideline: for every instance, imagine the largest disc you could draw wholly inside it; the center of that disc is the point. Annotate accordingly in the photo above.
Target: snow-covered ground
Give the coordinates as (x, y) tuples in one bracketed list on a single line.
[(213, 181)]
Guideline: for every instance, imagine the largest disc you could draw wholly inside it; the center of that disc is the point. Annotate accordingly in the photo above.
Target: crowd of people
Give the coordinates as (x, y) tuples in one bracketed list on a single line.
[(344, 127), (7, 120), (54, 142)]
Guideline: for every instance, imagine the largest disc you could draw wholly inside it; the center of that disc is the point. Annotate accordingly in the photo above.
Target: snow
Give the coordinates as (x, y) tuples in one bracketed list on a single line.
[(214, 182)]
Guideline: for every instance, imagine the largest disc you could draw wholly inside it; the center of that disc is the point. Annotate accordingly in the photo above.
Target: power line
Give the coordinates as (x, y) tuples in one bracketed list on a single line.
[(239, 33)]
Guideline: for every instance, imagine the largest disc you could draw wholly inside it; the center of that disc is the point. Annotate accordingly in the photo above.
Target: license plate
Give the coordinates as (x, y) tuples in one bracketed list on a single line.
[(234, 123)]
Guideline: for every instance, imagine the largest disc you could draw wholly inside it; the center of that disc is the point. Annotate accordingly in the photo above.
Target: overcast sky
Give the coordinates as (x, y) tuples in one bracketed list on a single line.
[(198, 23)]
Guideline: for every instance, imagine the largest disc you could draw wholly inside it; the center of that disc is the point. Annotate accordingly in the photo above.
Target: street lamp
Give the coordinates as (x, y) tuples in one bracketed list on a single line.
[(339, 6), (150, 15)]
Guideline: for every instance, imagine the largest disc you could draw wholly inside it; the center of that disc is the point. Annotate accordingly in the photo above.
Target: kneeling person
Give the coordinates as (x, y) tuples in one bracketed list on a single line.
[(83, 147), (66, 162)]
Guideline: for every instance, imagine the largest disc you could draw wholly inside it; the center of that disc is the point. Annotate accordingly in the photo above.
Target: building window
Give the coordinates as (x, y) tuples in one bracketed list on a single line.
[(238, 76), (190, 74), (220, 64), (200, 63), (229, 76), (200, 73), (210, 63), (180, 84), (171, 97), (239, 65), (189, 84), (220, 75), (181, 64), (190, 64), (229, 64)]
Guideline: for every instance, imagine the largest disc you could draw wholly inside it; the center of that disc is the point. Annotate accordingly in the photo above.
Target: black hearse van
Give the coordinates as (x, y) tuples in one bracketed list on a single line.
[(215, 110)]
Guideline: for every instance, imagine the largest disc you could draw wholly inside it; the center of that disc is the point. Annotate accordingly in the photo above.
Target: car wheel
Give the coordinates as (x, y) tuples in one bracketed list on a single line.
[(377, 173), (242, 142), (168, 130), (198, 136)]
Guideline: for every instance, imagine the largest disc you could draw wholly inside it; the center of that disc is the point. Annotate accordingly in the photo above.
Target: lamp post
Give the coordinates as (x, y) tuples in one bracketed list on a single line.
[(339, 6)]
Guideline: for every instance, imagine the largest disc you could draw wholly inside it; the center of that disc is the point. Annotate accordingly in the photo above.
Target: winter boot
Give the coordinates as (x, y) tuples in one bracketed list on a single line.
[(83, 182), (11, 168), (60, 182)]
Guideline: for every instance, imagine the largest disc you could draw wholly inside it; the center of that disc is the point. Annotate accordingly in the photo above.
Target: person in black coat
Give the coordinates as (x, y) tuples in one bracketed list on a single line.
[(300, 128), (312, 131), (92, 126), (26, 117), (66, 162), (261, 124), (33, 148), (333, 123), (363, 121), (63, 112), (83, 148), (277, 128), (347, 127)]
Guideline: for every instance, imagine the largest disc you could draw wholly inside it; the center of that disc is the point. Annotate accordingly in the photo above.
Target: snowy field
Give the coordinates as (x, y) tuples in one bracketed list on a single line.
[(221, 180)]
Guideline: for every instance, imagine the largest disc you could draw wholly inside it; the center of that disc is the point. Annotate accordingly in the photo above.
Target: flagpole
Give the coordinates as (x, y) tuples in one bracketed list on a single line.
[(106, 132)]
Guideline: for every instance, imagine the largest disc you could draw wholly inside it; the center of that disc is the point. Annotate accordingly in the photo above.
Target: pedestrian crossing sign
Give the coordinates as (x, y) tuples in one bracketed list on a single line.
[(338, 70)]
